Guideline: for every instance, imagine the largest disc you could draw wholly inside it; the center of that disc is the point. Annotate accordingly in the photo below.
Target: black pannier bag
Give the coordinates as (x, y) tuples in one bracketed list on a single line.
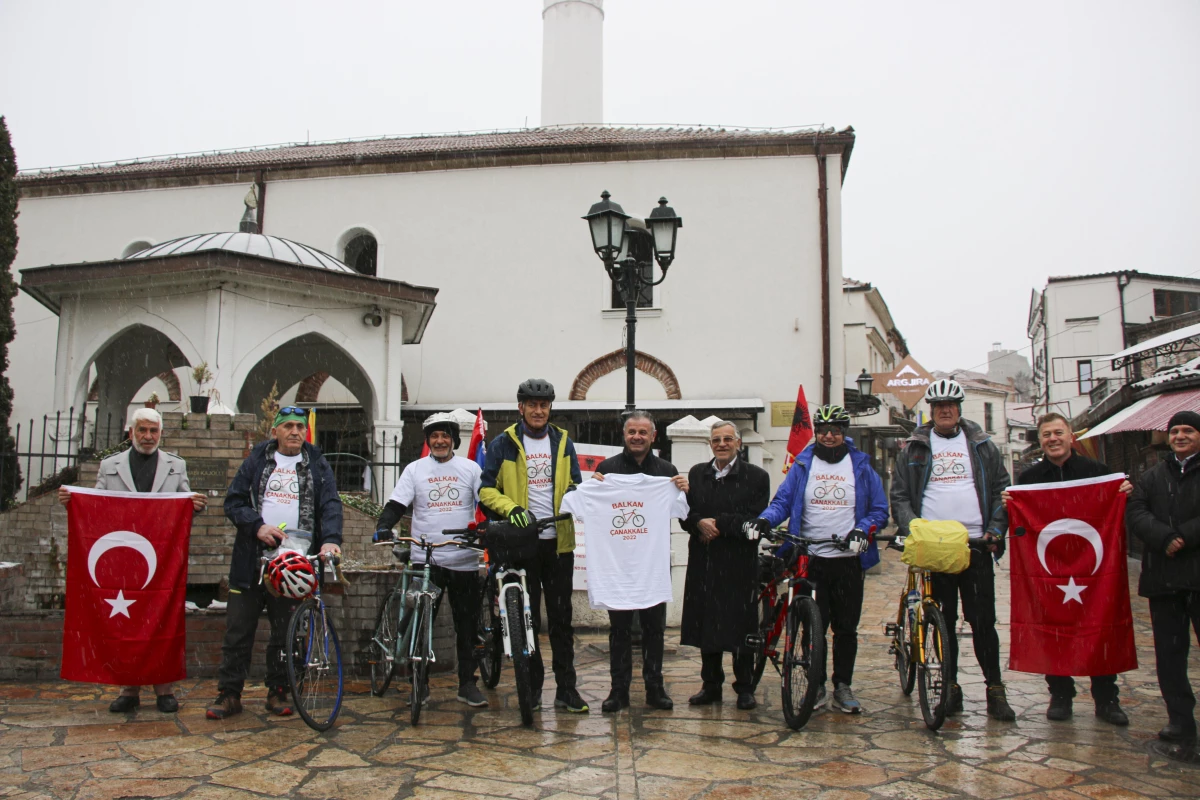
[(508, 543)]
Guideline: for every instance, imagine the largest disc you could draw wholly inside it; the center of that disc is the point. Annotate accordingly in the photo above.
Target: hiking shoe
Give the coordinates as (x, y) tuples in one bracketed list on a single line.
[(1059, 709), (471, 695), (997, 704), (226, 705), (571, 701), (746, 701), (954, 704), (844, 700), (277, 702), (819, 703), (1112, 713), (705, 697)]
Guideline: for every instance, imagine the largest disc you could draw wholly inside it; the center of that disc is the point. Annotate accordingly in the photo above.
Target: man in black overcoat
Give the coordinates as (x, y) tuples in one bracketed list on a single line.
[(722, 572)]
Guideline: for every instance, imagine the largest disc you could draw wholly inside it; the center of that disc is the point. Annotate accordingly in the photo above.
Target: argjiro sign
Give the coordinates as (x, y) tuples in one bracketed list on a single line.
[(908, 382)]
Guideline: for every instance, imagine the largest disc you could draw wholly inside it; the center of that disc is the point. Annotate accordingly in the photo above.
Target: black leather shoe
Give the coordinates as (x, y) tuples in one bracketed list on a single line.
[(746, 701), (658, 698), (615, 701), (1177, 733), (167, 703), (124, 703), (1113, 714), (1059, 709), (705, 697)]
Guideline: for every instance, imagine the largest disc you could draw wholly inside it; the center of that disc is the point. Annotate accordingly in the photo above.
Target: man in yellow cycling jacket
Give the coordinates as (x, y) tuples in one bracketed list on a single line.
[(530, 466)]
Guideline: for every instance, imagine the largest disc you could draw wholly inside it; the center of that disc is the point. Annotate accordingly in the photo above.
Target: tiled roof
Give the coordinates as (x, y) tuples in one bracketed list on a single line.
[(1132, 273), (438, 146)]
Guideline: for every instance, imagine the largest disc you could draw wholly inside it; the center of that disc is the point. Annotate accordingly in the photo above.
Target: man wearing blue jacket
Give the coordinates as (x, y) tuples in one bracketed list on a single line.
[(285, 481), (832, 491)]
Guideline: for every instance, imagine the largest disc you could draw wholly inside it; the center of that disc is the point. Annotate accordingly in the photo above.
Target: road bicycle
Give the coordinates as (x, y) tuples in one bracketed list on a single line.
[(632, 518), (506, 619), (313, 655), (788, 608), (404, 627), (920, 636)]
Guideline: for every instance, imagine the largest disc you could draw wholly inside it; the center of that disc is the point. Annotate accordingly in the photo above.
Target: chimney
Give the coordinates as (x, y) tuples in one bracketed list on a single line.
[(572, 62)]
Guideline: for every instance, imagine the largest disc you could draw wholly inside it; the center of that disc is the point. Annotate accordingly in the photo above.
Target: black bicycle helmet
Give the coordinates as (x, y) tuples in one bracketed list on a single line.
[(535, 389), (442, 421), (831, 415)]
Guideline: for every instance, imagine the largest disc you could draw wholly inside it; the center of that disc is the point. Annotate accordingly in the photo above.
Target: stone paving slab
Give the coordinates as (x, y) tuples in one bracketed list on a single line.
[(58, 741)]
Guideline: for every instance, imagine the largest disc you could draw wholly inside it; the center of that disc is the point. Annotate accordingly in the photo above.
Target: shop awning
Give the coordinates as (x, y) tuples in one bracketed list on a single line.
[(1148, 414), (1164, 344)]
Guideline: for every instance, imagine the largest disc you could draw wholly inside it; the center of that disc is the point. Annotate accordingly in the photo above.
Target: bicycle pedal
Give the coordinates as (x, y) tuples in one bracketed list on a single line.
[(754, 641), (891, 629), (892, 649)]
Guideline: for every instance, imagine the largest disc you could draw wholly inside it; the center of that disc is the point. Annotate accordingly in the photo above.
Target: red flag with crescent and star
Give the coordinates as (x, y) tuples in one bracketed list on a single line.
[(127, 556), (1070, 580)]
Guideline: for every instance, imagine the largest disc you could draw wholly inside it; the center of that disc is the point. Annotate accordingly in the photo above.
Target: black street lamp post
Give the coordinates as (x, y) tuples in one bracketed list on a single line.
[(628, 247)]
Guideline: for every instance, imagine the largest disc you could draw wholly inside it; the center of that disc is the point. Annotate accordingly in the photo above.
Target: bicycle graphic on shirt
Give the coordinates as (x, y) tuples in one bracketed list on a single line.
[(443, 490), (533, 471), (630, 519), (956, 468), (831, 489), (291, 486)]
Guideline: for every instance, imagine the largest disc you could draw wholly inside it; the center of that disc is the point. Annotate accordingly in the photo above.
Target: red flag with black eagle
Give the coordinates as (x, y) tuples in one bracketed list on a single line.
[(1070, 579), (126, 586), (802, 430)]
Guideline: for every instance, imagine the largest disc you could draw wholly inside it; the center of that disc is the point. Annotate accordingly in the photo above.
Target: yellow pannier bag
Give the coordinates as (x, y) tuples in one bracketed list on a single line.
[(939, 545)]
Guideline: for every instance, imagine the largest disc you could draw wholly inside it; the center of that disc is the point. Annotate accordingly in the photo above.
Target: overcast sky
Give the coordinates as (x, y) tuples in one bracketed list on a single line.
[(998, 143)]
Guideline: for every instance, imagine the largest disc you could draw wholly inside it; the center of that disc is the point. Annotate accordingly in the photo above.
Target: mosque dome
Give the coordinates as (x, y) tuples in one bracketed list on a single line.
[(254, 244)]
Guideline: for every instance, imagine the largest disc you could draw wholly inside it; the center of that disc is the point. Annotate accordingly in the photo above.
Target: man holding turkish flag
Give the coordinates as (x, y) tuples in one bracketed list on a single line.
[(126, 582), (1070, 582)]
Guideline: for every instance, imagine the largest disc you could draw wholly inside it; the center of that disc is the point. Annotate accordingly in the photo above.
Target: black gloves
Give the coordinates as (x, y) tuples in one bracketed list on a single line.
[(382, 535), (754, 529), (520, 517), (856, 541)]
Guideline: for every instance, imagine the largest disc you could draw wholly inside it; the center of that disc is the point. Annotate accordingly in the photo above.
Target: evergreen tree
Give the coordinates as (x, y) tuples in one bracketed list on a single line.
[(10, 470)]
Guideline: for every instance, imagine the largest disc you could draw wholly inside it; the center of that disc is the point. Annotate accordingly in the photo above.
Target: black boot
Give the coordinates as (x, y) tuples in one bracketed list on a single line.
[(616, 700)]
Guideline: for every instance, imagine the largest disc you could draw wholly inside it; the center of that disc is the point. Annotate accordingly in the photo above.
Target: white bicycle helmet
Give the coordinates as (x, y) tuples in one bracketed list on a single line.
[(945, 390), (442, 421), (291, 575)]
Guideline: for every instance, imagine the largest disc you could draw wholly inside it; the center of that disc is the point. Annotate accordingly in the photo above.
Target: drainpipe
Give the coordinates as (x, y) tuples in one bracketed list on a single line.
[(260, 182), (822, 197), (1122, 282)]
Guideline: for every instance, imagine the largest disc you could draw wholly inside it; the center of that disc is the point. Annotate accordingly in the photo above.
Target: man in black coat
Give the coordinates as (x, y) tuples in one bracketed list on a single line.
[(1061, 463), (636, 459), (1164, 513), (722, 572)]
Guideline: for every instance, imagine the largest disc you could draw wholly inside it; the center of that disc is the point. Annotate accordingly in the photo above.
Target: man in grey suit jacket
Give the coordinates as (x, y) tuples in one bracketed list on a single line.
[(144, 468)]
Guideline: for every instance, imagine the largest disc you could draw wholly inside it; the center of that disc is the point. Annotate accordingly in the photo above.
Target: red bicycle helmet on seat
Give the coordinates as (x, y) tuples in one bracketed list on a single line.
[(291, 575)]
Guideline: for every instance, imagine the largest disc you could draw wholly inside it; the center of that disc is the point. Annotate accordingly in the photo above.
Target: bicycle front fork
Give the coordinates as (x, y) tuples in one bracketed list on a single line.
[(505, 622)]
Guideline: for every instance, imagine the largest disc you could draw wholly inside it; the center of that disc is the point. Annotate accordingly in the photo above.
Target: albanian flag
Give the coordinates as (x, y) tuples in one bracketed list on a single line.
[(126, 580), (802, 430), (1070, 580)]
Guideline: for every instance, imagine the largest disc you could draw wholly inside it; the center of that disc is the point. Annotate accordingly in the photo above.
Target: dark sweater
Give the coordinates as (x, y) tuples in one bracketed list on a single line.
[(625, 464), (1076, 467)]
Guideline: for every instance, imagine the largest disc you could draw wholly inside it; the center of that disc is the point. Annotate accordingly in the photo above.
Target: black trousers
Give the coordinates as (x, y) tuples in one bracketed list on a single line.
[(1104, 688), (1171, 616), (713, 675), (241, 623), (977, 586), (552, 574), (840, 597), (620, 647), (466, 595)]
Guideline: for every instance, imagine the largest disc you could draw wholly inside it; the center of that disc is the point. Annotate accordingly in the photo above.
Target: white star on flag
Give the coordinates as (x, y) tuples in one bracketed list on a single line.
[(1072, 591), (120, 605)]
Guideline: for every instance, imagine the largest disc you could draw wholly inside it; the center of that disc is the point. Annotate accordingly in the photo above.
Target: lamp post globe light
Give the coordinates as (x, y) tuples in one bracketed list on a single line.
[(626, 245)]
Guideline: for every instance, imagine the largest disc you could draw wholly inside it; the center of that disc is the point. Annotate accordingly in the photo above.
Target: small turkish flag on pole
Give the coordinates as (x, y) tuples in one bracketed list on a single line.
[(126, 583), (1070, 580)]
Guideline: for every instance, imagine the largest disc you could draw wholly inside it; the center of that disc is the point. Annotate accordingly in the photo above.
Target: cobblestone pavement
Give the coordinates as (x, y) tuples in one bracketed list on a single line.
[(58, 740)]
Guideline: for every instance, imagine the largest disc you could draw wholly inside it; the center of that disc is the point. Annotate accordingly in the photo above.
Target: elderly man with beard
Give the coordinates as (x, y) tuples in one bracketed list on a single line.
[(144, 468), (722, 571)]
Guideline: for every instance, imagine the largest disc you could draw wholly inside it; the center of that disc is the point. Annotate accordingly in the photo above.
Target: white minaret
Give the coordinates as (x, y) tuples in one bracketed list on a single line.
[(572, 62)]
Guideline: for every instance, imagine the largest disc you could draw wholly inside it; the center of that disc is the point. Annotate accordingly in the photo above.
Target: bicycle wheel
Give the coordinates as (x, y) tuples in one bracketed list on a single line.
[(803, 659), (768, 613), (381, 653), (933, 687), (520, 654), (489, 646), (314, 665), (902, 642), (421, 653)]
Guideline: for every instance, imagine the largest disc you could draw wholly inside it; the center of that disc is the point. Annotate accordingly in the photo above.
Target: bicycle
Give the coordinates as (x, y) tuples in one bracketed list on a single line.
[(634, 518), (788, 608), (506, 603), (404, 627), (313, 656), (919, 637)]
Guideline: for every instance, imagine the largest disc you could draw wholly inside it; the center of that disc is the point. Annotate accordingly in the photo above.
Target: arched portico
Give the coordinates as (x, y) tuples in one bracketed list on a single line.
[(295, 359)]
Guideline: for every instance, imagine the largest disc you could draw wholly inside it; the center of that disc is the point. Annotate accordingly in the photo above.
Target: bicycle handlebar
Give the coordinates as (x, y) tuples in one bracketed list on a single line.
[(471, 533)]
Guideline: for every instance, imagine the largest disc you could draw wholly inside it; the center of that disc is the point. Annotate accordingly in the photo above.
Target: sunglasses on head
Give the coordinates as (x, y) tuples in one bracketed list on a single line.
[(289, 410)]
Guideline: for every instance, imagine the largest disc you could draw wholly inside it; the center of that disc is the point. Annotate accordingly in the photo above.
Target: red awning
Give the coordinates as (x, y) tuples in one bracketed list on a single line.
[(1157, 413)]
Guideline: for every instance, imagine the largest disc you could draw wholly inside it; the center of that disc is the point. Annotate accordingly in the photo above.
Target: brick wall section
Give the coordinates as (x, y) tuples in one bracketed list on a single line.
[(34, 535), (12, 587), (616, 360)]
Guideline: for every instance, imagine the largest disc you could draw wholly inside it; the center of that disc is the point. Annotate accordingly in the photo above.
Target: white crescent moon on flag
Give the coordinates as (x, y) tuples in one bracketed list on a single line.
[(134, 541), (1069, 527)]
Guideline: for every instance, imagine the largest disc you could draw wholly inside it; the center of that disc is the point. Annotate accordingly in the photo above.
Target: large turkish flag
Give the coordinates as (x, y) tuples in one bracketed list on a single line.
[(126, 581), (1070, 580)]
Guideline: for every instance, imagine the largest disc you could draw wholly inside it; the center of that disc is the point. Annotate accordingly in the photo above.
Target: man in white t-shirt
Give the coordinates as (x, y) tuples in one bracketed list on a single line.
[(951, 470), (442, 490)]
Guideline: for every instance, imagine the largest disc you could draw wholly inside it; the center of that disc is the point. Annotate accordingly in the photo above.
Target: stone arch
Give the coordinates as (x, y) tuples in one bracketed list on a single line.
[(168, 377), (310, 387), (358, 247), (614, 361)]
